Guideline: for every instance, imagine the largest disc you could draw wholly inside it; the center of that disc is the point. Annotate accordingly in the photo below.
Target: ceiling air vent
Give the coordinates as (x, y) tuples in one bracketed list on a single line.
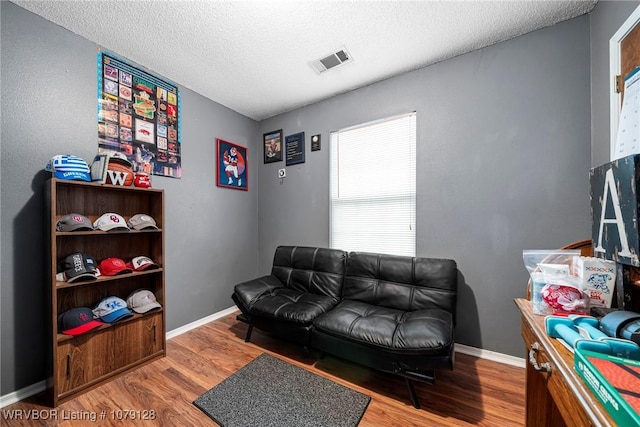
[(331, 61)]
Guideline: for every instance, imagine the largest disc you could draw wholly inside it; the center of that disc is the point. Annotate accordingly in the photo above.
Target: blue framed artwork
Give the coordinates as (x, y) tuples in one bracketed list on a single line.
[(295, 148), (231, 165)]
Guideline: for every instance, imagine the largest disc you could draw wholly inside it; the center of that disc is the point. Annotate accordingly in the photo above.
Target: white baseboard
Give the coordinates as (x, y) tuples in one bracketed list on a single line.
[(28, 391), (186, 328), (491, 355)]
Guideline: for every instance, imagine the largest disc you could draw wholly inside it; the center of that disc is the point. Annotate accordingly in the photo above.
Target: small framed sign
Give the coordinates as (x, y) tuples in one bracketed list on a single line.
[(295, 148), (315, 143), (272, 142)]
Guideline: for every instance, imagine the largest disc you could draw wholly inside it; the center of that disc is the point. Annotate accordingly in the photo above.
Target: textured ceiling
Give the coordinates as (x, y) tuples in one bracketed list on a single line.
[(253, 56)]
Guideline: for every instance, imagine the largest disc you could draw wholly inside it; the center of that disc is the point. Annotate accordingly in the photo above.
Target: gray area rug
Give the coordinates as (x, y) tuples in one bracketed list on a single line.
[(271, 392)]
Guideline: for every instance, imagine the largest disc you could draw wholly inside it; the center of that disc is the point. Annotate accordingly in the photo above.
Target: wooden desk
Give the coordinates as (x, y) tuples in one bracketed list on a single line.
[(557, 397)]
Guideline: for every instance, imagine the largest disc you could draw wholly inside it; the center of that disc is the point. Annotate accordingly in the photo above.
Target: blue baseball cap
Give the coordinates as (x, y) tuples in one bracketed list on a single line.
[(66, 166), (111, 309)]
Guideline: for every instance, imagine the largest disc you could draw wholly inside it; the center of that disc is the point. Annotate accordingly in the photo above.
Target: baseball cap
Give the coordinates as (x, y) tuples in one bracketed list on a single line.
[(77, 267), (118, 157), (111, 309), (74, 222), (77, 321), (142, 300), (110, 221), (141, 222), (140, 263), (114, 266), (66, 166)]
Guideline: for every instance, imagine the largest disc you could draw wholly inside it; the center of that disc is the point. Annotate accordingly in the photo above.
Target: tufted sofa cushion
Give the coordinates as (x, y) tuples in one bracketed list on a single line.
[(304, 283), (423, 332), (246, 294), (392, 305), (402, 283), (314, 270), (293, 305)]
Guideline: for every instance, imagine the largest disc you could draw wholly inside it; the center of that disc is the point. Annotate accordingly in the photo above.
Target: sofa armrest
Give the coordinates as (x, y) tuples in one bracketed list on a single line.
[(247, 293)]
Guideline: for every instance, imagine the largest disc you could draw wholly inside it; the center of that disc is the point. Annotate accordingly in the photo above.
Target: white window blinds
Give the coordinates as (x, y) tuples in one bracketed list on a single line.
[(373, 187)]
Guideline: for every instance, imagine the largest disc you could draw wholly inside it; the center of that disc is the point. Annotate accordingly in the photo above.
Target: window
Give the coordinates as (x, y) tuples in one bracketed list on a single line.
[(373, 187)]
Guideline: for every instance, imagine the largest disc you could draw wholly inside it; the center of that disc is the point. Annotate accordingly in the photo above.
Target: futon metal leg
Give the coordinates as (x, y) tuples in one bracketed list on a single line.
[(249, 330), (412, 393)]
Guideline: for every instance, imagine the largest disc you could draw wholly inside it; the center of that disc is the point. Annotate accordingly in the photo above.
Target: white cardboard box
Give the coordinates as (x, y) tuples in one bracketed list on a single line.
[(597, 277)]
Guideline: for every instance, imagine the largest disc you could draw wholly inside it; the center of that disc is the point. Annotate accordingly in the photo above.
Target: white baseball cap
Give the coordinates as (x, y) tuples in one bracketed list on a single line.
[(142, 301), (118, 157), (110, 221)]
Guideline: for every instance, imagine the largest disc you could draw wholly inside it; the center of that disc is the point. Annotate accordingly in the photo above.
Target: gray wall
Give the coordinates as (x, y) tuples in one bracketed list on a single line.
[(48, 108), (606, 18), (503, 159), (506, 137)]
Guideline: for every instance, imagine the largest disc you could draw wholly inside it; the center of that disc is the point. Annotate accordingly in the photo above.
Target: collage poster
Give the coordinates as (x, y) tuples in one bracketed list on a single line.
[(139, 116)]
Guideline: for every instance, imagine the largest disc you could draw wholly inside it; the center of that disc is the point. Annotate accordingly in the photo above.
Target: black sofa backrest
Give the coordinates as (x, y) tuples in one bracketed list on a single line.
[(401, 282), (316, 270)]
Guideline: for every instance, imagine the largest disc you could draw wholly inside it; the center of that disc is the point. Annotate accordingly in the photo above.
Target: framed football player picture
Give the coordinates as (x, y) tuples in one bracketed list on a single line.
[(272, 142), (232, 170)]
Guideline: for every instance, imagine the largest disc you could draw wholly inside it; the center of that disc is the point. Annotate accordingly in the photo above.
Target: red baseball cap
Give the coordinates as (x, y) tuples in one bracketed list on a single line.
[(77, 321), (113, 267), (140, 263)]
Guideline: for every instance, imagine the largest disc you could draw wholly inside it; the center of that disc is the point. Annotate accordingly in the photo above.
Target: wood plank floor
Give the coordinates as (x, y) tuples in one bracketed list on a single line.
[(477, 392)]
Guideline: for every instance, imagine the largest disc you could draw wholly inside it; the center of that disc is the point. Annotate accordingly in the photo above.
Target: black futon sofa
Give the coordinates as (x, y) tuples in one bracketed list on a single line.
[(391, 313)]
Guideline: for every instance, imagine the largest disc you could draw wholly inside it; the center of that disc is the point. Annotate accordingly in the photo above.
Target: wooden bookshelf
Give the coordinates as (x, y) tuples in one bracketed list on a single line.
[(79, 363)]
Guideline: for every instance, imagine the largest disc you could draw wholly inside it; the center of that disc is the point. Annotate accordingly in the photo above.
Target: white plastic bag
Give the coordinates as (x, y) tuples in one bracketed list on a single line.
[(552, 286)]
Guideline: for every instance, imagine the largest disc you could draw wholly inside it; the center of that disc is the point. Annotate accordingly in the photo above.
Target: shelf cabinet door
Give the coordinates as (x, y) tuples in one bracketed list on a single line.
[(84, 359), (138, 339)]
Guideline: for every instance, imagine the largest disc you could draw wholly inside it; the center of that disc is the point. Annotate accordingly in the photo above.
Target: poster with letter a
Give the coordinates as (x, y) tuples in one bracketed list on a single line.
[(139, 116)]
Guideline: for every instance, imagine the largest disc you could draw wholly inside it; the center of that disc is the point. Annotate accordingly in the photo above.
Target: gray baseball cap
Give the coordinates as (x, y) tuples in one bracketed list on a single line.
[(74, 222), (141, 222)]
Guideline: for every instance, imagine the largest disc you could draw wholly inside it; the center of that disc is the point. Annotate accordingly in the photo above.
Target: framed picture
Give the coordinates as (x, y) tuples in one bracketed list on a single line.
[(231, 165), (295, 148), (315, 142), (99, 168), (272, 142)]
